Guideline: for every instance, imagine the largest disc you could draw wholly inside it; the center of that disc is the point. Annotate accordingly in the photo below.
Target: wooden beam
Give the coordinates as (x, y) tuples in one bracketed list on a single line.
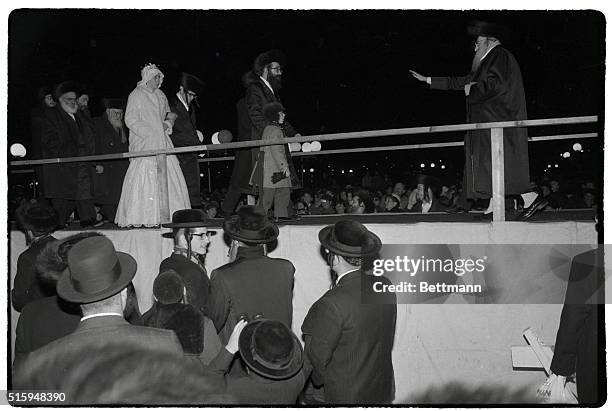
[(162, 187), (497, 174)]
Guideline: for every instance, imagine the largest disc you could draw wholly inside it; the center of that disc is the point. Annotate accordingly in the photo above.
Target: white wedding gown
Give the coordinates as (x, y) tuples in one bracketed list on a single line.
[(139, 203)]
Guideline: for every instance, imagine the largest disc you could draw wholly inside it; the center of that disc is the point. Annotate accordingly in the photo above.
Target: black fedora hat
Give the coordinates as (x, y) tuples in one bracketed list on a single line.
[(270, 349), (189, 218), (251, 225), (350, 238), (39, 218), (95, 271), (192, 83)]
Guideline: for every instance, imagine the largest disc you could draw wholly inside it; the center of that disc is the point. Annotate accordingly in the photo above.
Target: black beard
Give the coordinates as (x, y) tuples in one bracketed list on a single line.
[(275, 82)]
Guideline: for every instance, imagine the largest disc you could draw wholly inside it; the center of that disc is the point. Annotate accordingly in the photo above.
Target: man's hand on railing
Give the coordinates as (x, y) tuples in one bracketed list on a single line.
[(467, 88), (167, 127)]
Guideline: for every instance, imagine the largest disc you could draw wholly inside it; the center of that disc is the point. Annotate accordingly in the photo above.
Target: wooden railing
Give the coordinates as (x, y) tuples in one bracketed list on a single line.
[(497, 150)]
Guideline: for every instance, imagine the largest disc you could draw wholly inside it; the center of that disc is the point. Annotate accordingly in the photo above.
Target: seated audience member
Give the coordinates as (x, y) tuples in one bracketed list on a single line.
[(97, 278), (301, 208), (274, 361), (195, 331), (361, 203), (400, 190), (191, 241), (392, 203), (557, 198), (306, 197), (325, 206), (38, 221), (422, 199), (379, 207), (251, 282), (212, 209), (340, 207), (112, 372)]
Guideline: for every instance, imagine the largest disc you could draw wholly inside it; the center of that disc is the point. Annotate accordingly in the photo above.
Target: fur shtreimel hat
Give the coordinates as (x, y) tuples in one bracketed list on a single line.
[(114, 103), (192, 83), (251, 225), (482, 28), (53, 259), (67, 87), (270, 56), (44, 91), (39, 218), (271, 110)]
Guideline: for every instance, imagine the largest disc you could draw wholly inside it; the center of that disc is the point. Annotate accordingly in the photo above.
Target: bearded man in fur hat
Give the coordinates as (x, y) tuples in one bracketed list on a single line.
[(111, 136), (185, 132), (67, 133), (494, 92), (251, 283), (263, 85)]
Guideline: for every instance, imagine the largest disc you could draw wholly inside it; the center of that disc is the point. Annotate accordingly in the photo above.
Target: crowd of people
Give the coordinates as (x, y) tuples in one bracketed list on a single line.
[(226, 336)]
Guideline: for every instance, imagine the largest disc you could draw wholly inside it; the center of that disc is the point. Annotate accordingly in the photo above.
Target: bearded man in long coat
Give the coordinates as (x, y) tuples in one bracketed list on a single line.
[(494, 92)]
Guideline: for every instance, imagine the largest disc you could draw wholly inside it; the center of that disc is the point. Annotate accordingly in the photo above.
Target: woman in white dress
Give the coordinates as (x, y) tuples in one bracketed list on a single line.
[(146, 117)]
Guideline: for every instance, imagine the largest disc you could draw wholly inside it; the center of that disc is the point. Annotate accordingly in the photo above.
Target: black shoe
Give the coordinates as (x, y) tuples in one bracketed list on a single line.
[(456, 209), (538, 204)]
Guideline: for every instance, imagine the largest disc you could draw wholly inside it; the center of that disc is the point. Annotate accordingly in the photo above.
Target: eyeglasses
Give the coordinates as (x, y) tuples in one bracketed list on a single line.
[(201, 235), (192, 94), (69, 100), (277, 69)]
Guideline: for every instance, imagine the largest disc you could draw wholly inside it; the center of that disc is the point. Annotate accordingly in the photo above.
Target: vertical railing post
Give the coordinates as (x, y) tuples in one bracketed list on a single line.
[(497, 174), (162, 186)]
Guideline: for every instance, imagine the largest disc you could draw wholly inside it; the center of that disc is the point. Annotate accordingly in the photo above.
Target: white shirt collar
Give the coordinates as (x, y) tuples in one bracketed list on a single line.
[(87, 317), (488, 51), (267, 84), (178, 94), (345, 273)]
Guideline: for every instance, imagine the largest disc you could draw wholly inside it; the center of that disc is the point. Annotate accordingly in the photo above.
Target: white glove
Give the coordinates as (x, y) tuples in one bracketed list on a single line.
[(232, 343), (200, 136)]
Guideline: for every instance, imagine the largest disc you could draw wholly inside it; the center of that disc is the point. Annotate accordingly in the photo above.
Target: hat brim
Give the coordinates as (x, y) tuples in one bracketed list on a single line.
[(69, 293), (244, 346), (265, 235), (372, 245), (190, 224)]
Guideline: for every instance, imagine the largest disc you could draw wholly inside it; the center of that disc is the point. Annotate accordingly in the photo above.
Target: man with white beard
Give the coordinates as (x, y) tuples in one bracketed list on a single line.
[(494, 92)]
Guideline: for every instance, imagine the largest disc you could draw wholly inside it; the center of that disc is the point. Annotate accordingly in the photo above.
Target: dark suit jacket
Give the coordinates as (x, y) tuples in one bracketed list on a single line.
[(95, 332), (243, 161), (184, 134), (63, 136), (577, 348), (194, 276), (253, 283), (349, 344), (43, 321), (253, 389), (26, 285), (108, 185)]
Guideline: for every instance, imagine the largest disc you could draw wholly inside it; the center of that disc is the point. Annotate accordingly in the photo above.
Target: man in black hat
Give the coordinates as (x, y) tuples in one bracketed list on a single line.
[(97, 278), (38, 222), (349, 342), (185, 132), (191, 239), (67, 133), (263, 85), (494, 92), (274, 360), (45, 101), (111, 136), (251, 282)]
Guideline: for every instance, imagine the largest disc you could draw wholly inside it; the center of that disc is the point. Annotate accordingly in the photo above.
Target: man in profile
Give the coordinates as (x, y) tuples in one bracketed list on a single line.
[(494, 92)]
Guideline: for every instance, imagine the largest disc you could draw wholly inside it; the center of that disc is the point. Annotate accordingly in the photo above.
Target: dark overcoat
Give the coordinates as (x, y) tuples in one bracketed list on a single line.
[(64, 136), (108, 184), (184, 134), (252, 284), (576, 347), (498, 95), (26, 284), (43, 321), (349, 344), (194, 276), (258, 94), (243, 162)]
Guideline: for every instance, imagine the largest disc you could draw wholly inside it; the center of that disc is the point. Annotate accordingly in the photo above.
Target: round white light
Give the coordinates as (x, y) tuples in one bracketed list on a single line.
[(306, 147), (422, 165), (556, 165), (18, 150), (442, 166), (549, 166), (351, 170), (566, 154), (315, 146), (201, 174), (295, 147), (312, 170), (432, 165), (577, 147)]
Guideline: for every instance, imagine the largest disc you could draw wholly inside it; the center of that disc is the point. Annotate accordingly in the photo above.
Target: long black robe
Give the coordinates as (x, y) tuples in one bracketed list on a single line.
[(498, 95)]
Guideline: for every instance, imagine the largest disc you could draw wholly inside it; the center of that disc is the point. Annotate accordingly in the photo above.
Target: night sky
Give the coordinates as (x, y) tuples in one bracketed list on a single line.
[(345, 71)]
